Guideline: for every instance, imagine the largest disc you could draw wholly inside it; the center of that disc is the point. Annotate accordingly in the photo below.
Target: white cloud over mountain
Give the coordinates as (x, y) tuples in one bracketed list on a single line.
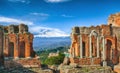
[(47, 32), (37, 30), (13, 20), (56, 1)]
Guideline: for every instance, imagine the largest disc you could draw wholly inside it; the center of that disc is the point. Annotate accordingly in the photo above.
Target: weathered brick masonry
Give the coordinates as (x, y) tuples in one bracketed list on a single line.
[(18, 42), (97, 45), (15, 42)]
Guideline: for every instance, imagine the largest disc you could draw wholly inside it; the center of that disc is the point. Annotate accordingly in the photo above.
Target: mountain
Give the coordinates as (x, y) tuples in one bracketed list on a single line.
[(49, 38), (48, 32), (42, 43)]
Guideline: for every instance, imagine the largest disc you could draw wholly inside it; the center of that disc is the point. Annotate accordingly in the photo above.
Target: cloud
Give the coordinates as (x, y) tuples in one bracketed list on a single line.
[(68, 16), (47, 32), (37, 30), (56, 1), (39, 14), (21, 1), (12, 20)]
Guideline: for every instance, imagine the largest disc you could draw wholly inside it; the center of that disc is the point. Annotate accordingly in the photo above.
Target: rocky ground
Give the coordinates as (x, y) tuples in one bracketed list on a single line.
[(86, 69), (23, 66), (16, 67), (24, 70), (62, 69)]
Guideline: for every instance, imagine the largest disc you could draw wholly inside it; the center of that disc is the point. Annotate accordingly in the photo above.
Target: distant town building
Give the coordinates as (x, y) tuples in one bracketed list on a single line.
[(96, 45), (53, 54)]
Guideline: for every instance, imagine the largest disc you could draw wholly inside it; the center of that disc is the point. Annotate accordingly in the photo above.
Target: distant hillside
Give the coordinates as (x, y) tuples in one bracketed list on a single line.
[(42, 43)]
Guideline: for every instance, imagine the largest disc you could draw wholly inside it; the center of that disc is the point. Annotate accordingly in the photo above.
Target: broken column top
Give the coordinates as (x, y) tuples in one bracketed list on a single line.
[(75, 30), (22, 28), (114, 19)]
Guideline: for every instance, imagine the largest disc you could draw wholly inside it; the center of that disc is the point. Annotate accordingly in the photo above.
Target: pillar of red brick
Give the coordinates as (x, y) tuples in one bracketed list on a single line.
[(6, 40), (16, 54), (16, 51), (27, 50)]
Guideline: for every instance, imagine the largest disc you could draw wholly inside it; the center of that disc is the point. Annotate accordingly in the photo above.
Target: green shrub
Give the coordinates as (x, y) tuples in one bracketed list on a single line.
[(55, 60)]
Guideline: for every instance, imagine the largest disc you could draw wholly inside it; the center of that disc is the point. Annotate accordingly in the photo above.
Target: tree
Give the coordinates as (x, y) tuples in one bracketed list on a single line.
[(55, 60)]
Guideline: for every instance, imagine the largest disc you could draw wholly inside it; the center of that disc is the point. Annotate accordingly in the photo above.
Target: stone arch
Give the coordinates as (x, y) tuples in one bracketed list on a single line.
[(22, 49), (11, 49), (94, 33), (93, 43)]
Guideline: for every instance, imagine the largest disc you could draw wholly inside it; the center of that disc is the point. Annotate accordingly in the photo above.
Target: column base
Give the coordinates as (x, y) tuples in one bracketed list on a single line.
[(6, 58), (38, 57), (28, 57), (104, 63), (73, 56), (90, 56), (98, 56), (16, 58), (92, 61)]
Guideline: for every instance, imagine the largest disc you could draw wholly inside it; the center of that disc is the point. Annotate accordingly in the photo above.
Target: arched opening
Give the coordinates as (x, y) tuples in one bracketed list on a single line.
[(83, 49), (11, 49), (22, 49), (93, 36), (109, 49)]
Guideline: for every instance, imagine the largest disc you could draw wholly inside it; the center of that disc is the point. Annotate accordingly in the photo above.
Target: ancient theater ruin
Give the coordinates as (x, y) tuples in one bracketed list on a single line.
[(18, 42), (96, 45), (16, 45)]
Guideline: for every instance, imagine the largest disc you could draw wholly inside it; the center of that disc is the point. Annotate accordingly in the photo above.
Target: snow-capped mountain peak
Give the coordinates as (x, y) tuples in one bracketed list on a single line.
[(48, 32)]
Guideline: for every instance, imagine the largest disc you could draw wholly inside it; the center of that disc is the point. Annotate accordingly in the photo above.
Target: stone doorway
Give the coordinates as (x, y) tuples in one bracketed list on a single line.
[(22, 49), (11, 49), (83, 49), (92, 49), (108, 50)]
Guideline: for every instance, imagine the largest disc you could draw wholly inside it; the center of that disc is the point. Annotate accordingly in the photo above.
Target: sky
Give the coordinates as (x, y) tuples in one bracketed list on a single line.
[(56, 17)]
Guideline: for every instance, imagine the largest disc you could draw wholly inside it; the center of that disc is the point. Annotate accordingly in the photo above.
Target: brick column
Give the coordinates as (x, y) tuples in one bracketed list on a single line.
[(27, 50), (73, 52), (16, 55), (7, 43), (98, 46), (104, 53), (70, 51), (90, 47), (81, 48)]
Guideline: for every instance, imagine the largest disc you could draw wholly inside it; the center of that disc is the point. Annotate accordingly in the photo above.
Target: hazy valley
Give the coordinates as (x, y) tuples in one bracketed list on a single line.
[(42, 43)]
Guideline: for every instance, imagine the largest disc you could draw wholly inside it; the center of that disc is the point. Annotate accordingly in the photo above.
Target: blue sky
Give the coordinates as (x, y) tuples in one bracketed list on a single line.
[(57, 15)]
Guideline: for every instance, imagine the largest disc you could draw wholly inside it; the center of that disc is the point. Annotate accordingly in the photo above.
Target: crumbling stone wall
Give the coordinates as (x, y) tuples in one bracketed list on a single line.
[(18, 41), (23, 28), (114, 19), (104, 38), (83, 34), (116, 31)]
